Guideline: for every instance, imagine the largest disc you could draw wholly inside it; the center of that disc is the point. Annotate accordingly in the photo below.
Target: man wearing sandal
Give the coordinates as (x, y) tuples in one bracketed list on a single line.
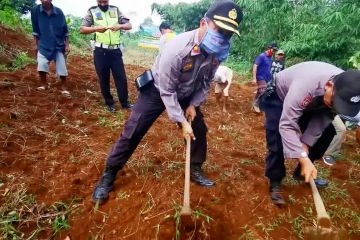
[(51, 42)]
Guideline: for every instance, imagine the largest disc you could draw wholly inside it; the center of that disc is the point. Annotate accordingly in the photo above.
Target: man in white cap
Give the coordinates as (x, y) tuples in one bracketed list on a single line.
[(279, 63)]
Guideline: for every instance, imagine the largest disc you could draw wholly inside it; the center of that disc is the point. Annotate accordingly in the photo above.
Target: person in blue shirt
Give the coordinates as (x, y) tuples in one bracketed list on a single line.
[(51, 42), (262, 71)]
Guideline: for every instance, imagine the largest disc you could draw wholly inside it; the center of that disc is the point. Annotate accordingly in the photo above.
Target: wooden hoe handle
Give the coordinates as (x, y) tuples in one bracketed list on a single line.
[(322, 216), (186, 210)]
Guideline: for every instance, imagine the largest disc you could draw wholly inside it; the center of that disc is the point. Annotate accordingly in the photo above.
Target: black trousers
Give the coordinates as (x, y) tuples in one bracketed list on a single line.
[(106, 60), (146, 110), (275, 167)]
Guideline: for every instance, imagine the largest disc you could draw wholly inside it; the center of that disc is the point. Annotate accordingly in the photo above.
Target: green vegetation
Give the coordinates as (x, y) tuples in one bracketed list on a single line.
[(307, 30), (21, 6), (21, 60), (20, 209)]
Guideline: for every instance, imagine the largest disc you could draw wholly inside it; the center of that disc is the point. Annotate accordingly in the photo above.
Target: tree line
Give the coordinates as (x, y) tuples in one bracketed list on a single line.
[(326, 30)]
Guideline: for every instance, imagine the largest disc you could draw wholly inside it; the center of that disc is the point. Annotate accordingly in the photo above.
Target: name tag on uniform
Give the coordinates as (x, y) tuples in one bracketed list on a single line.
[(99, 16), (112, 14), (189, 65)]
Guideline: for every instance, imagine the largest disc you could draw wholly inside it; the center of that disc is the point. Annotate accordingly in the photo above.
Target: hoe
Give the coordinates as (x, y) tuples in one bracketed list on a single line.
[(185, 214), (323, 230)]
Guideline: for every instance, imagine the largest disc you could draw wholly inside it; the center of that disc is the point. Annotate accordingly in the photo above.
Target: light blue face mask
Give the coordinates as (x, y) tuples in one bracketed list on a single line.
[(215, 43)]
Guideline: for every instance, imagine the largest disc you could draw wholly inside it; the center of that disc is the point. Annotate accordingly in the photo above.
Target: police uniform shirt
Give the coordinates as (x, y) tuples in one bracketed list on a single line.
[(181, 71), (88, 20), (297, 86)]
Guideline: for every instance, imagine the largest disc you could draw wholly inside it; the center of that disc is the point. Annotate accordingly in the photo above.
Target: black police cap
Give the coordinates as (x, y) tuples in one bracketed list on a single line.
[(346, 98), (226, 15)]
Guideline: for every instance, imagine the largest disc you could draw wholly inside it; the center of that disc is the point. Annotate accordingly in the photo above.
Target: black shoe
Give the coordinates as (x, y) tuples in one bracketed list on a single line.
[(105, 185), (111, 108), (319, 182), (197, 176), (275, 194), (127, 105)]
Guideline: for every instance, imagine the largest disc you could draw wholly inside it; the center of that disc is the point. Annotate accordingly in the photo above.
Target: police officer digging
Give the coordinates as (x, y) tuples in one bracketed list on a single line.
[(178, 82), (106, 21), (299, 107)]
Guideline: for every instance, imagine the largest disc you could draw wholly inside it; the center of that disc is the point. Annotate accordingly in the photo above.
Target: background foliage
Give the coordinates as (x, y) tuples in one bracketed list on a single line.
[(326, 30), (21, 6)]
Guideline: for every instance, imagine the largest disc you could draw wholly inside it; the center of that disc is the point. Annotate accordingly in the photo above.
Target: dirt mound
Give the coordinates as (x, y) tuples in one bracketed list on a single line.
[(56, 147), (12, 42)]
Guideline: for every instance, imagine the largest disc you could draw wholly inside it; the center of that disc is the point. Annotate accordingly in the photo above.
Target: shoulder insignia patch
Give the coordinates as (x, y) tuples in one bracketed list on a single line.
[(306, 101), (99, 16)]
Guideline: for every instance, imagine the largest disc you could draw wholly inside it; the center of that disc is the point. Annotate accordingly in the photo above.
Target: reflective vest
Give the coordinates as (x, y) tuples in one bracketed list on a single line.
[(106, 19), (169, 36)]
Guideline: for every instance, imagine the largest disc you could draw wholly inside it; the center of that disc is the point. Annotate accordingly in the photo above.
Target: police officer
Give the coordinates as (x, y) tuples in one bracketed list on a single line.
[(181, 77), (106, 21), (299, 107)]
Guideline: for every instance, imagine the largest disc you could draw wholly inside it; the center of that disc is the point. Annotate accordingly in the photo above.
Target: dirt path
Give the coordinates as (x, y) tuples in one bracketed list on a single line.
[(57, 148)]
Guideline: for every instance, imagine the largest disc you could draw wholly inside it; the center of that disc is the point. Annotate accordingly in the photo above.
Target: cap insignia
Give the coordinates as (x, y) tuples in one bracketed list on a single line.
[(233, 14), (355, 99)]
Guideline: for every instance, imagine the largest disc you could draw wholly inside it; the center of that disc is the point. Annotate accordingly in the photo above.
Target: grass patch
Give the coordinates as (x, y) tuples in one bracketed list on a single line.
[(21, 217), (122, 195), (333, 192), (268, 227), (343, 214), (3, 68), (114, 122), (248, 235), (21, 60)]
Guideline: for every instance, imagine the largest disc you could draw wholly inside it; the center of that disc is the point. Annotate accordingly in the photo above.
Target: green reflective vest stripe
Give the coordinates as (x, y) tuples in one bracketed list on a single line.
[(106, 19)]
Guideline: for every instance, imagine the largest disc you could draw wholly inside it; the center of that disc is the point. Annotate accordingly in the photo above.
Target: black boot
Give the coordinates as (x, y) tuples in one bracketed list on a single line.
[(105, 185), (275, 193), (197, 176)]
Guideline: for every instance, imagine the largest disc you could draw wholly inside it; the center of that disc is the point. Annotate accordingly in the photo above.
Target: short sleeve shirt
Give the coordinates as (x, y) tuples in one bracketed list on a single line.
[(264, 67)]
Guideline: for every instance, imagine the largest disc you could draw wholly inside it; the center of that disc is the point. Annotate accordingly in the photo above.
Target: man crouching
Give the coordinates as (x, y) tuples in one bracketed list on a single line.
[(222, 79)]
